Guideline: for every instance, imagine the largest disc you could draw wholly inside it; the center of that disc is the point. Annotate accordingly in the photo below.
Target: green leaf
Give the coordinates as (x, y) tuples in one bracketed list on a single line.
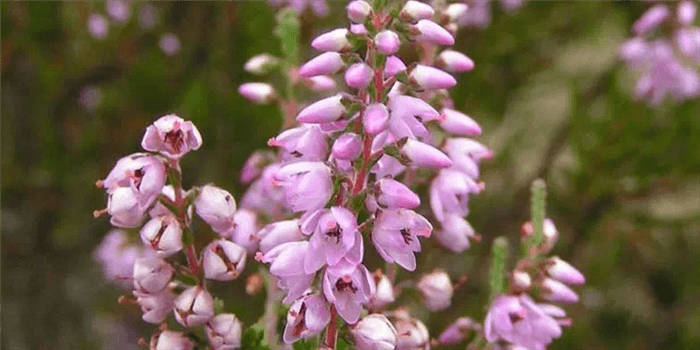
[(253, 338), (288, 32), (306, 344)]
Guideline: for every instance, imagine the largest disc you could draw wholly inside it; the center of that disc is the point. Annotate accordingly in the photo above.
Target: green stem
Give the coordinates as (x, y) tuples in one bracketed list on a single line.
[(499, 255), (537, 213)]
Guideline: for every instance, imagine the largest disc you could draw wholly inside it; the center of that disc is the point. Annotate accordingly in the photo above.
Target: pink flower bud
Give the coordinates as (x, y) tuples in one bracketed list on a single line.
[(393, 66), (651, 19), (383, 292), (430, 78), (387, 42), (411, 334), (98, 26), (459, 123), (335, 40), (223, 260), (347, 146), (163, 235), (551, 234), (145, 174), (124, 207), (172, 136), (456, 11), (358, 10), (423, 155), (170, 340), (394, 195), (456, 332), (395, 236), (521, 281), (224, 332), (359, 75), (278, 233), (358, 29), (259, 93), (216, 206), (254, 165), (374, 332), (348, 287), (454, 61), (305, 142), (169, 44), (431, 32), (436, 290), (455, 233), (634, 51), (688, 42), (326, 110), (686, 12), (563, 271), (151, 275), (194, 307), (244, 230), (155, 307), (327, 63), (322, 83), (116, 257), (415, 10), (261, 64), (375, 119), (307, 317), (557, 292)]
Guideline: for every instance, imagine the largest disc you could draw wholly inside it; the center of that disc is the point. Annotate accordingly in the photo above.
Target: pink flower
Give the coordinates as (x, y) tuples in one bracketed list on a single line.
[(119, 10), (263, 196), (415, 10), (433, 33), (155, 307), (261, 64), (144, 174), (557, 292), (387, 42), (436, 290), (335, 237), (171, 136), (455, 233), (117, 258), (359, 75), (170, 340), (454, 61), (393, 66), (392, 194), (244, 230), (347, 146), (563, 271), (686, 12), (216, 206), (422, 155), (651, 19), (258, 93), (98, 26), (411, 334), (223, 260), (163, 235), (449, 193), (305, 142), (375, 119), (456, 332), (327, 63), (519, 321), (335, 40), (383, 291), (348, 287), (151, 275), (430, 78), (278, 233), (321, 83), (253, 167), (408, 115), (159, 209), (124, 205), (395, 236), (287, 263), (307, 317), (327, 110), (358, 10), (459, 123), (194, 307), (169, 44), (224, 332), (374, 332), (466, 155), (308, 185)]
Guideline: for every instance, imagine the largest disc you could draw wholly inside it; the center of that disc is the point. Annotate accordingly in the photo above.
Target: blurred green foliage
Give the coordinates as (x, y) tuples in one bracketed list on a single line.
[(554, 102)]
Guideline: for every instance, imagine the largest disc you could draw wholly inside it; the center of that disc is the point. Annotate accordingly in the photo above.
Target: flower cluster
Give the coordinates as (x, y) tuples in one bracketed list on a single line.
[(138, 192), (668, 66), (477, 13)]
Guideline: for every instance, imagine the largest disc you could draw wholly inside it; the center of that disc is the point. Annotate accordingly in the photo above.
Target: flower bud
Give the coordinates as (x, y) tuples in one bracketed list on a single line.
[(431, 32), (308, 186), (224, 332), (375, 119), (455, 233), (425, 156), (557, 292), (326, 110), (194, 307), (277, 233), (459, 123), (387, 42), (172, 136), (688, 42), (456, 11), (254, 165), (359, 75), (321, 83), (245, 227), (651, 19), (411, 334), (259, 93), (307, 317), (223, 260), (551, 234), (305, 142), (347, 146), (686, 12), (436, 290), (374, 332), (456, 332), (216, 206), (155, 307), (327, 63), (98, 26), (521, 281), (335, 40), (383, 291), (393, 66), (261, 64), (430, 78), (563, 271), (393, 195), (358, 11), (151, 275), (416, 10), (124, 206), (454, 61), (170, 340), (163, 235), (358, 29)]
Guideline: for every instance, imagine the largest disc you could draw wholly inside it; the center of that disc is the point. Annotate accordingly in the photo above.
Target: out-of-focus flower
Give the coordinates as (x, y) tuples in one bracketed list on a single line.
[(436, 290), (169, 44), (259, 93), (98, 26), (519, 321), (118, 10), (171, 340)]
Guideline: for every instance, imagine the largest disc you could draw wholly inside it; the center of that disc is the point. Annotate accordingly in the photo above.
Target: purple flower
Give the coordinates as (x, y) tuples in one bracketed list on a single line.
[(454, 61), (688, 42), (98, 26), (431, 32), (459, 123), (194, 307), (335, 237), (278, 233), (119, 10), (395, 236), (455, 233), (651, 19), (327, 63), (244, 230), (466, 155), (348, 287), (456, 332), (335, 40), (519, 321), (358, 10), (347, 146), (308, 185), (224, 332), (223, 260), (169, 44), (557, 292), (374, 332), (375, 119), (449, 193), (303, 143), (415, 10), (263, 196), (563, 271), (387, 42), (172, 136), (163, 235), (423, 155), (143, 174), (686, 12), (408, 115), (392, 194), (326, 110), (307, 317), (216, 206), (393, 66), (155, 307), (151, 275), (430, 78), (359, 75), (258, 93), (287, 263)]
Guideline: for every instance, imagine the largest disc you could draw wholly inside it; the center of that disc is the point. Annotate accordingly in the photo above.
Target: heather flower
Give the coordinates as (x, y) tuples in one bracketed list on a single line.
[(422, 155), (170, 340), (686, 12), (392, 194), (520, 281), (374, 332), (194, 307), (383, 291), (348, 287), (119, 10), (455, 62), (155, 307), (518, 320), (557, 292), (456, 11), (124, 205), (171, 136), (449, 194), (430, 78), (169, 44), (327, 63), (415, 10), (411, 334), (263, 196), (358, 29), (223, 260), (387, 42), (278, 233), (563, 271), (455, 233), (335, 40), (321, 83), (259, 93), (466, 155), (326, 110), (151, 275), (458, 123), (142, 173), (408, 115), (375, 119), (244, 230), (287, 263), (431, 32), (254, 165), (393, 66), (358, 10), (224, 332), (261, 64), (395, 236), (305, 142), (335, 237), (651, 19), (347, 146), (307, 317), (163, 235), (117, 257), (98, 26), (436, 290), (159, 209), (456, 332), (308, 185), (359, 75), (216, 206)]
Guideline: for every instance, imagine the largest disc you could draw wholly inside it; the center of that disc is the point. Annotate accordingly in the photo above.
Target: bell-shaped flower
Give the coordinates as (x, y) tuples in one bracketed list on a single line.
[(422, 155), (449, 194), (415, 10), (171, 340), (374, 332), (519, 321), (124, 205), (244, 230), (557, 292), (224, 332), (155, 307), (151, 275), (393, 66), (261, 64), (436, 290), (347, 146), (431, 32), (358, 10), (326, 110), (455, 233), (335, 237), (335, 40), (305, 142), (375, 118), (348, 287), (562, 271), (466, 155), (163, 235), (392, 194), (387, 166), (429, 78), (359, 75), (307, 317), (308, 185), (171, 136), (411, 334), (458, 123), (454, 61), (278, 233), (287, 263), (456, 332), (216, 206), (395, 236), (194, 307), (140, 171), (258, 93), (387, 42), (408, 115), (327, 63), (223, 260)]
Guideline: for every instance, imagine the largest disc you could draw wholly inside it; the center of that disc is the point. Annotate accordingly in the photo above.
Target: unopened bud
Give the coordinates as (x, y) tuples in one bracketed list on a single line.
[(327, 63), (358, 75), (430, 78), (387, 42), (456, 332), (521, 281), (261, 64), (436, 290), (393, 66), (324, 111), (431, 32), (163, 235), (563, 271), (223, 260), (194, 306), (425, 156), (347, 146), (455, 12), (415, 10), (358, 10), (454, 61), (335, 40), (375, 119), (374, 332), (260, 93), (224, 332), (216, 206), (557, 292), (151, 275), (393, 195)]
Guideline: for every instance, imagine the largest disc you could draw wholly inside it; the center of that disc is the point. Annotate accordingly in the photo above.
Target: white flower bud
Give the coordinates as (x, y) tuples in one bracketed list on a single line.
[(151, 275), (223, 260), (521, 281), (155, 307), (416, 10), (261, 64), (163, 235), (374, 332), (411, 334), (170, 340), (383, 292), (224, 332), (436, 290), (194, 307), (216, 206)]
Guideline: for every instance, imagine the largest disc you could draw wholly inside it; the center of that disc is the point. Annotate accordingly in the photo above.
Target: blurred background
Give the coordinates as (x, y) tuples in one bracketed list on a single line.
[(549, 90)]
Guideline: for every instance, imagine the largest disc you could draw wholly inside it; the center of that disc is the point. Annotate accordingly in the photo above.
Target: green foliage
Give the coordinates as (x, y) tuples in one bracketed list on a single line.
[(306, 344), (499, 256), (254, 338), (287, 30)]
